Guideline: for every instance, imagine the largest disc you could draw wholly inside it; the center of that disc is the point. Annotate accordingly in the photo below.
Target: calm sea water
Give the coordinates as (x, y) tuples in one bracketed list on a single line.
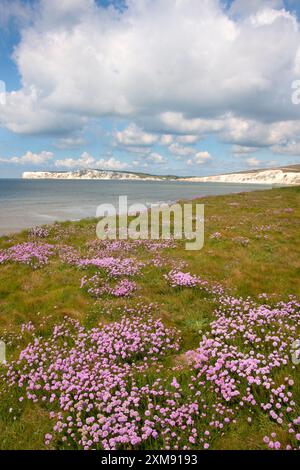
[(26, 203)]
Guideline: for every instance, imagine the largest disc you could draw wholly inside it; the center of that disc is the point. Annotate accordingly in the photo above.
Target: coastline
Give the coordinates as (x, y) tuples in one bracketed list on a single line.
[(283, 176), (69, 200)]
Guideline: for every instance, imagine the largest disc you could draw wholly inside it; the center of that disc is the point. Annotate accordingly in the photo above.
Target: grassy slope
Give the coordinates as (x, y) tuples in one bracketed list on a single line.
[(269, 263)]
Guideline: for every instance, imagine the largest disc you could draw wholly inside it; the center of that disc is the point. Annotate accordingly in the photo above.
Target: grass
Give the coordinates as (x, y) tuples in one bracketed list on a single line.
[(258, 251)]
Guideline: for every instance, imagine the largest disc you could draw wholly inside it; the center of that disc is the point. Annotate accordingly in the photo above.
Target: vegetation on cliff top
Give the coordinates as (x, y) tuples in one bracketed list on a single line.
[(195, 346)]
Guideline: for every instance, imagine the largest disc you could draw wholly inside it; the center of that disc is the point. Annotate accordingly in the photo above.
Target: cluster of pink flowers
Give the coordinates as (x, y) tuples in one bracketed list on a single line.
[(275, 444), (114, 267), (215, 236), (31, 253), (96, 384), (100, 385), (181, 279), (157, 245), (86, 378), (96, 287), (247, 346), (106, 247), (39, 232), (68, 254), (160, 261)]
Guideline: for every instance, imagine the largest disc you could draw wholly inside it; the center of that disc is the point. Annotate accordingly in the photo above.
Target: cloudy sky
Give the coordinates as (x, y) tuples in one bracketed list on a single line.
[(190, 87)]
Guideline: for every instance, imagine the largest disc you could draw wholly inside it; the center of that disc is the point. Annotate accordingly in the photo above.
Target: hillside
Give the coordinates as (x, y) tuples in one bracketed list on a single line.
[(94, 174), (282, 176), (289, 175), (144, 345)]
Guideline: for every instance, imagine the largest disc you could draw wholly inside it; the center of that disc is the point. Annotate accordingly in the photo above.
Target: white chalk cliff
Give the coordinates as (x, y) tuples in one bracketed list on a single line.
[(260, 177), (90, 175), (272, 176)]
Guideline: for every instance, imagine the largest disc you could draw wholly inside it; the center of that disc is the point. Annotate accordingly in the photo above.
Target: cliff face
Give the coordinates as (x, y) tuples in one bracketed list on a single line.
[(276, 176), (89, 175), (259, 177)]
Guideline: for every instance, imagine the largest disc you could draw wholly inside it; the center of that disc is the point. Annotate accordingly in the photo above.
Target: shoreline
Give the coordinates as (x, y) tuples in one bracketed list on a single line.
[(289, 176), (80, 219)]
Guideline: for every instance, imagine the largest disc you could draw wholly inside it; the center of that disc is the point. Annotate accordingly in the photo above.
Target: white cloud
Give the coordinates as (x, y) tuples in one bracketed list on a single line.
[(200, 158), (166, 139), (253, 162), (88, 161), (84, 161), (177, 122), (133, 135), (29, 157), (187, 139), (149, 159), (155, 157), (16, 11), (23, 114), (291, 148), (243, 132), (181, 150), (204, 71), (253, 133), (111, 164), (242, 150), (245, 8), (267, 16), (69, 142)]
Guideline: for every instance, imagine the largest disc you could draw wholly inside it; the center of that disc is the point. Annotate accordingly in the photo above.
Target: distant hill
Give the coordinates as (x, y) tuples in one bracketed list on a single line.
[(289, 175), (95, 174)]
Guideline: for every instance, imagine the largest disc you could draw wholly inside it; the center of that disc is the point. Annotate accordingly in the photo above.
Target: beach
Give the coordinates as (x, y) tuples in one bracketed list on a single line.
[(27, 203)]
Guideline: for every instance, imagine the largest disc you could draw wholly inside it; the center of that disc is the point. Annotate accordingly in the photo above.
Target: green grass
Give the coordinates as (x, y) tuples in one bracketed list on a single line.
[(269, 263)]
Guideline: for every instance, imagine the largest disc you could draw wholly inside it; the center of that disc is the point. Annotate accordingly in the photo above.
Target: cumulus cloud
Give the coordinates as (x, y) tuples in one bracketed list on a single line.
[(133, 135), (253, 162), (242, 150), (177, 122), (204, 71), (151, 159), (29, 157), (187, 139), (199, 158), (111, 164), (245, 8), (180, 150), (15, 11), (23, 113), (88, 161), (291, 148), (166, 139), (69, 142), (155, 157)]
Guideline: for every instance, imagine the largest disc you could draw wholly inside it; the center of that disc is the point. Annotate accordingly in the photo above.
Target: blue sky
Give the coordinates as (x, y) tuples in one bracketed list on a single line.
[(187, 88)]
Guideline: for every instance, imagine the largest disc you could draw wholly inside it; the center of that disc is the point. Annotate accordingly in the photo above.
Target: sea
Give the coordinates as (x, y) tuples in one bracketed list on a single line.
[(28, 203)]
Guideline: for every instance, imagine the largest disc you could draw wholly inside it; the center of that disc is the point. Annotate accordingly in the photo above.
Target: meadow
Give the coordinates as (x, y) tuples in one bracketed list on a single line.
[(144, 345)]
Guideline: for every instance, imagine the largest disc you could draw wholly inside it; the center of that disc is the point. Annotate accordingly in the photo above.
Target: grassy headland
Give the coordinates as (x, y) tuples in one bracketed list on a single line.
[(251, 248)]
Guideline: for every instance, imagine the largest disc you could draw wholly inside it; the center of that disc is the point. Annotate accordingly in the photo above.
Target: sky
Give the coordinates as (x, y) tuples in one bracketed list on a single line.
[(181, 87)]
